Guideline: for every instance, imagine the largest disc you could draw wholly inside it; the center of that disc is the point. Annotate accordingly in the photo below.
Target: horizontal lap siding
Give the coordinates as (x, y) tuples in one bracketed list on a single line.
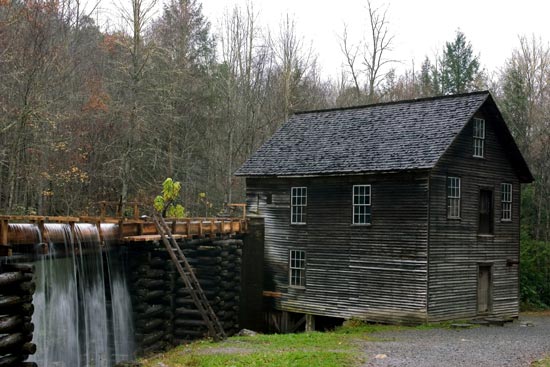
[(455, 248), (377, 272)]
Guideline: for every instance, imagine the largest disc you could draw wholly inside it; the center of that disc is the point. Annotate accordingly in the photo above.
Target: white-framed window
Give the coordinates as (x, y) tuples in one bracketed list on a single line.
[(361, 204), (479, 137), (506, 201), (453, 197), (297, 268), (298, 203)]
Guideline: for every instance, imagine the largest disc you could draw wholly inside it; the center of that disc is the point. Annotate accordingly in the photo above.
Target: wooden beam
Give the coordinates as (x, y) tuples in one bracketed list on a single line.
[(150, 238), (298, 324), (4, 232), (272, 294), (310, 322)]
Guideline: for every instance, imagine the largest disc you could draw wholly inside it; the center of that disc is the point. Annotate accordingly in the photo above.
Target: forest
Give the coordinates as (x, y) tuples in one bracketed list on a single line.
[(90, 114)]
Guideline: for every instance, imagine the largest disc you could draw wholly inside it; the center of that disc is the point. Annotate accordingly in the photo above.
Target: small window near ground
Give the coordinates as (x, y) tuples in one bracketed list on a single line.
[(453, 197), (506, 201), (298, 199), (361, 204), (479, 138), (297, 276)]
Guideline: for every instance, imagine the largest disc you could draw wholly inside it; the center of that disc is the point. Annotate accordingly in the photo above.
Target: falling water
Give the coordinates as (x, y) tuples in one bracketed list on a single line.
[(74, 325), (121, 306)]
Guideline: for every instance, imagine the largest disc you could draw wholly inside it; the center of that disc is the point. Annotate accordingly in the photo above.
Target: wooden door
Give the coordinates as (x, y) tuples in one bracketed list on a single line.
[(484, 289)]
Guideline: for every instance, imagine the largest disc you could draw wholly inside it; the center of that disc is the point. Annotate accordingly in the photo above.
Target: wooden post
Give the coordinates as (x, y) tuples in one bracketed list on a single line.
[(4, 232), (136, 210), (284, 322), (310, 322), (188, 227)]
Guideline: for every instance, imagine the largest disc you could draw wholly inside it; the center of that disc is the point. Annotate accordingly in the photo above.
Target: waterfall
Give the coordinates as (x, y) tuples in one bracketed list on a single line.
[(75, 324), (121, 305)]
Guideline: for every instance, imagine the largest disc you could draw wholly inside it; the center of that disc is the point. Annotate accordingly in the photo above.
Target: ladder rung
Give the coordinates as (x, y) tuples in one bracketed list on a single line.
[(199, 297)]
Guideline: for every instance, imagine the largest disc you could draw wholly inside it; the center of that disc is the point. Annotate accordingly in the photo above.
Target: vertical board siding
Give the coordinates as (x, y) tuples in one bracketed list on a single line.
[(376, 272), (455, 248)]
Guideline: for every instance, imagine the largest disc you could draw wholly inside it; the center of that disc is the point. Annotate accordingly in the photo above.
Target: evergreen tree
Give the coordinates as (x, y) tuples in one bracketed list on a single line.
[(459, 68), (428, 82)]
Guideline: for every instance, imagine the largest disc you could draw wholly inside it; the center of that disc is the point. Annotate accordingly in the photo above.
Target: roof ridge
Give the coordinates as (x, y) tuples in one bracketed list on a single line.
[(412, 100)]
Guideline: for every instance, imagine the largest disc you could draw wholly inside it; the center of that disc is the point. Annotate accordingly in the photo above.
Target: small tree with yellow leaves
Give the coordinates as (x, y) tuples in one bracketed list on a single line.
[(165, 203)]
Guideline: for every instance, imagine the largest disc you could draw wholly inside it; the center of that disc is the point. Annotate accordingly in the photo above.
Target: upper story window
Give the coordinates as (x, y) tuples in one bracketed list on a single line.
[(361, 204), (479, 138), (486, 217), (298, 203), (453, 197), (506, 201), (297, 268)]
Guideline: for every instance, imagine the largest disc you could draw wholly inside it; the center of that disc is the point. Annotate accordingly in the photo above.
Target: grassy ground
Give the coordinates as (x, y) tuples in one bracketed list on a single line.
[(545, 362), (338, 348), (342, 347)]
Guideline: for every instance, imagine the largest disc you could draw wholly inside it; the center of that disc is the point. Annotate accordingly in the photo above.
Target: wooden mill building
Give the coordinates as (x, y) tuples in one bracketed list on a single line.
[(397, 212)]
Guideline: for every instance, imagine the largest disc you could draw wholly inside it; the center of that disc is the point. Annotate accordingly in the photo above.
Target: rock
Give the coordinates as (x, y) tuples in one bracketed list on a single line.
[(380, 356), (246, 332)]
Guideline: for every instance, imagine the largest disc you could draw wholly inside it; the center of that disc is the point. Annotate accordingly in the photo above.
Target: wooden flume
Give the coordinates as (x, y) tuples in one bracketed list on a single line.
[(17, 230)]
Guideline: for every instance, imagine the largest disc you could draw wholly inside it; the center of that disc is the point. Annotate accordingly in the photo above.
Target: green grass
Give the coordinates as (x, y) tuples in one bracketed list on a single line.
[(545, 362), (341, 347)]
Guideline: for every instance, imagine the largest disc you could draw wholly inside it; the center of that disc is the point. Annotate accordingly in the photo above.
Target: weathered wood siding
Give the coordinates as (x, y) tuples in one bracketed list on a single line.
[(455, 248), (376, 272)]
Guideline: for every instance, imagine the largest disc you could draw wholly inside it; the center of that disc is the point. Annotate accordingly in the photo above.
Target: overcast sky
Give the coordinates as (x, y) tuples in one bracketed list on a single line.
[(421, 27)]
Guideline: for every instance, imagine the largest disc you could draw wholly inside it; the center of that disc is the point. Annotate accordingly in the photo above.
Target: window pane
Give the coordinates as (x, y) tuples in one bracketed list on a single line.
[(298, 203), (506, 201), (297, 263), (479, 137), (361, 203), (453, 197)]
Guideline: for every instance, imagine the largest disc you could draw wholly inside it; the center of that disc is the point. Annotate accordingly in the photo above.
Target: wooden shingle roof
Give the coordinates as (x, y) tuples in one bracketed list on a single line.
[(395, 136)]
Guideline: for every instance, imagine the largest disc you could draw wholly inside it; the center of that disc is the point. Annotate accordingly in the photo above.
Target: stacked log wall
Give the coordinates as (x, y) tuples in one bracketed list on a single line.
[(164, 312), (217, 265), (17, 287), (151, 286)]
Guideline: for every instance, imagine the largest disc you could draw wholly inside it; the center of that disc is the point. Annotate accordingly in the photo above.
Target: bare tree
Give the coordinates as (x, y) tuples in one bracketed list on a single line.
[(525, 102), (137, 17), (372, 51), (350, 54), (379, 44)]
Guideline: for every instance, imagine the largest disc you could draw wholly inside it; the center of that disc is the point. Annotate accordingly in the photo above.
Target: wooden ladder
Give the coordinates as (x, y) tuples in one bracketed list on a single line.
[(215, 328)]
